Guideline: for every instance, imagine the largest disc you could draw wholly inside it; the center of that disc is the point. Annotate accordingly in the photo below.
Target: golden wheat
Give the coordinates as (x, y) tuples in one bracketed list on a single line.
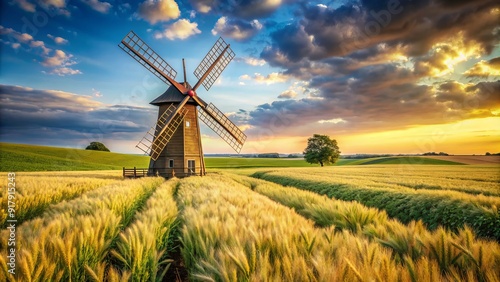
[(459, 254), (233, 234), (76, 234), (141, 248)]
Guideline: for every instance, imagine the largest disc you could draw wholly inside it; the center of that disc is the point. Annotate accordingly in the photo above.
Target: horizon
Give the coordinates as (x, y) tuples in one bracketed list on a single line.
[(280, 153), (386, 77)]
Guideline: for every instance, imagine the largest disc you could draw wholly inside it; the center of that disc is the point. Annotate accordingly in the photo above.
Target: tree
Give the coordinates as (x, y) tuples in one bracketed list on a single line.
[(97, 146), (321, 149)]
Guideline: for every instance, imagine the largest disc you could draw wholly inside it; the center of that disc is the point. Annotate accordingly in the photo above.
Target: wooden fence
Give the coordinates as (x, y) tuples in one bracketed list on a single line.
[(164, 172)]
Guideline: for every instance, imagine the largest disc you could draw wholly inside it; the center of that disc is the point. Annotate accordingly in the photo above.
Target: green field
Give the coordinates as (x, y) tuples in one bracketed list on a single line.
[(19, 157)]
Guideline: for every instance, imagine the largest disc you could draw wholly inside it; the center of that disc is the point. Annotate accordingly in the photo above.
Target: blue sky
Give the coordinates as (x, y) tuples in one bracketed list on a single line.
[(368, 73)]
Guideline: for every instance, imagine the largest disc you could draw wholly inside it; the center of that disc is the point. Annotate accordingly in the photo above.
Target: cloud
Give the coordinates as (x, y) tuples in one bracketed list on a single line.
[(270, 78), (57, 39), (101, 7), (236, 29), (181, 29), (245, 77), (319, 32), (59, 6), (158, 11), (484, 69), (60, 62), (96, 93), (67, 119), (25, 5), (16, 40), (251, 61), (334, 120), (250, 9), (287, 94)]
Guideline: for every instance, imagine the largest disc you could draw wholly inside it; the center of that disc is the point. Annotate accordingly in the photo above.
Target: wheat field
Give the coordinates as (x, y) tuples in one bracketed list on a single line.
[(297, 224)]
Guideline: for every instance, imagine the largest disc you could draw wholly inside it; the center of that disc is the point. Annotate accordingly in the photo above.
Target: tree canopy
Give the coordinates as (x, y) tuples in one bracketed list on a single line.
[(321, 149), (97, 146)]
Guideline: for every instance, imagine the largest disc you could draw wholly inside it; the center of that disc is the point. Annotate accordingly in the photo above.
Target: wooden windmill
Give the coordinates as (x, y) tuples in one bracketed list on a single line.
[(174, 143)]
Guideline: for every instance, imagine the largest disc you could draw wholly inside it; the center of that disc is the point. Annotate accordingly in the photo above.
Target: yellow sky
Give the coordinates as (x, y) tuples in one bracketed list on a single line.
[(472, 136)]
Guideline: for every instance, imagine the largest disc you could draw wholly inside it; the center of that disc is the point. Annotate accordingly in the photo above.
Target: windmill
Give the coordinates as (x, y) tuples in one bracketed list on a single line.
[(174, 143)]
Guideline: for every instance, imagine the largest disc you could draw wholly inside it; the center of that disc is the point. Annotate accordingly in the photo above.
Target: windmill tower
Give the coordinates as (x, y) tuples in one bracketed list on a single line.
[(174, 143)]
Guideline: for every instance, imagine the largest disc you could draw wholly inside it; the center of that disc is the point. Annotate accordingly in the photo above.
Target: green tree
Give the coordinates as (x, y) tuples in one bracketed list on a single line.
[(97, 146), (321, 149)]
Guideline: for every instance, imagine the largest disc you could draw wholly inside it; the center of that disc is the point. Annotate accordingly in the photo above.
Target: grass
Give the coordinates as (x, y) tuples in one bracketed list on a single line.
[(20, 157)]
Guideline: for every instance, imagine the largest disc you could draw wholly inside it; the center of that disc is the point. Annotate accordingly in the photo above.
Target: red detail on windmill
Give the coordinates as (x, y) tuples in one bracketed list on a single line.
[(191, 93)]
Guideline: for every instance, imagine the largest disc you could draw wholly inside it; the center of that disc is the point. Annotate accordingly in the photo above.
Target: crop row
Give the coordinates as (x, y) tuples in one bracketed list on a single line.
[(434, 209), (35, 193), (470, 257), (74, 236), (472, 180), (233, 234), (142, 248)]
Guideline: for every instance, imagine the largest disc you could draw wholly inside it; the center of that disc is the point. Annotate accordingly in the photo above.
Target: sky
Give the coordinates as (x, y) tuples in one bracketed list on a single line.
[(392, 76)]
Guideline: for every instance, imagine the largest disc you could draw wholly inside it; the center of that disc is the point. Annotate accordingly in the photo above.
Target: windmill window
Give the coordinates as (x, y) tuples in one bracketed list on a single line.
[(187, 124), (170, 163)]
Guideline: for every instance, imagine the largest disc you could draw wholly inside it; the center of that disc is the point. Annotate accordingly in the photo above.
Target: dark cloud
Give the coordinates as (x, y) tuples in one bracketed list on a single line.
[(237, 29), (365, 63), (62, 117), (321, 32), (246, 9)]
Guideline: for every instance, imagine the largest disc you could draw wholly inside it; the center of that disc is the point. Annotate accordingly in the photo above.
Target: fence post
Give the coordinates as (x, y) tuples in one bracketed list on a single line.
[(123, 172), (135, 172)]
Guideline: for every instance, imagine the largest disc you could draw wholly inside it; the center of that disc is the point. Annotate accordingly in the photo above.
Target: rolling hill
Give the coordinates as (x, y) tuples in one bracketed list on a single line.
[(20, 157)]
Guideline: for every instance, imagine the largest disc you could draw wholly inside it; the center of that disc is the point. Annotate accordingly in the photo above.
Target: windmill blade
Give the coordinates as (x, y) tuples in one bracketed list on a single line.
[(161, 141), (157, 137), (226, 129), (147, 57), (213, 64)]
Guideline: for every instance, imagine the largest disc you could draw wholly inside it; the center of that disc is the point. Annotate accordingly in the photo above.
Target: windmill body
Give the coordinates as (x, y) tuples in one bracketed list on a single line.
[(174, 142), (183, 155)]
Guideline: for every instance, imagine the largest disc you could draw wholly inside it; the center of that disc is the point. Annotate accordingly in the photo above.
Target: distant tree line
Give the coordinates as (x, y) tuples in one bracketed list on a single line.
[(435, 154), (268, 155), (490, 154)]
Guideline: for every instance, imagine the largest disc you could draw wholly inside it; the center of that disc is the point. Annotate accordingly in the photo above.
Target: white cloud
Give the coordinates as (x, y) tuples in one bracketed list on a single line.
[(96, 93), (57, 39), (245, 77), (322, 6), (236, 29), (25, 5), (58, 5), (181, 29), (271, 78), (101, 7), (334, 121), (41, 45), (65, 71), (60, 62), (251, 61), (192, 14), (158, 11), (287, 94)]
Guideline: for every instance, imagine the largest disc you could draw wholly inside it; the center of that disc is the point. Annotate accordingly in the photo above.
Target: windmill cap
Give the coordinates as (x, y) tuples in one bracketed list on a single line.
[(172, 95)]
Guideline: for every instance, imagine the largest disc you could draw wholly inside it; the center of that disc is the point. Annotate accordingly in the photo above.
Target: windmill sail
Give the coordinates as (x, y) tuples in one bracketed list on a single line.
[(226, 129), (158, 136), (220, 48), (142, 53)]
